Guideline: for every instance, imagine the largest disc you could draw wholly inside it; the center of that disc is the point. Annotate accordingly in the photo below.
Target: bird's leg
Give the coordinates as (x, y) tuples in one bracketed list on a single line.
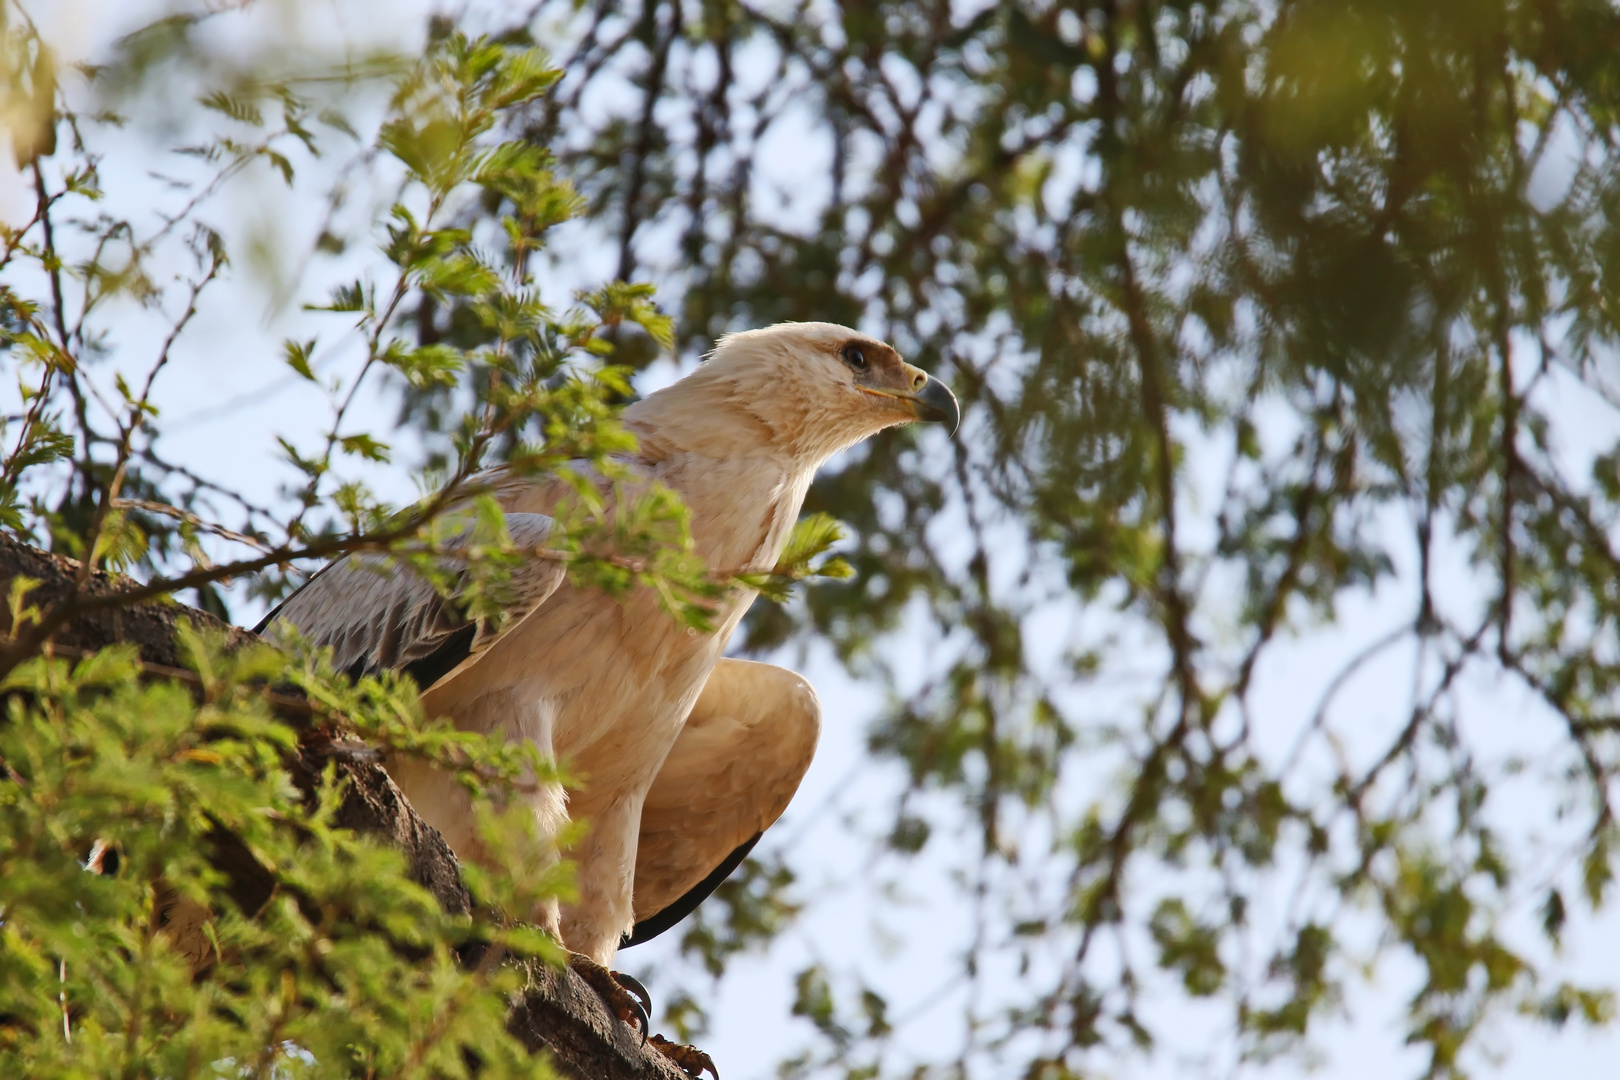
[(689, 1059), (624, 996)]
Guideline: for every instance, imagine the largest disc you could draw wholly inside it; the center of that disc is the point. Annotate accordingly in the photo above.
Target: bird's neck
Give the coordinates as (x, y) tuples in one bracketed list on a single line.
[(743, 478), (750, 412), (742, 509)]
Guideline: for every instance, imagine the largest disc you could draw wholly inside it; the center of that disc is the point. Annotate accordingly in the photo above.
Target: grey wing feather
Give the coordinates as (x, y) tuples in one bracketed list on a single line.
[(375, 615)]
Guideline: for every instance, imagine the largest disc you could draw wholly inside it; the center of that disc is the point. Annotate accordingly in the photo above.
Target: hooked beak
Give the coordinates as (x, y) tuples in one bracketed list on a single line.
[(933, 403)]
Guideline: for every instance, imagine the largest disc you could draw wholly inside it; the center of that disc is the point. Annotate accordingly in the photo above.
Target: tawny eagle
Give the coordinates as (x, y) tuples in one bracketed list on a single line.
[(686, 756)]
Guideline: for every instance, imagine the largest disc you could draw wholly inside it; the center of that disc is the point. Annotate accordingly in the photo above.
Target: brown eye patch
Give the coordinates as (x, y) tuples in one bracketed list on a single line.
[(864, 356)]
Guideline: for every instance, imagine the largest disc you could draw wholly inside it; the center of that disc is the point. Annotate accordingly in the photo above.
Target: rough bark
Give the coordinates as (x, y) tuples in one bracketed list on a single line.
[(558, 1015)]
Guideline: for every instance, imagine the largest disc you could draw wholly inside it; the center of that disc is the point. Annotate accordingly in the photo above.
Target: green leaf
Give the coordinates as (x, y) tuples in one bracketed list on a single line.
[(345, 298), (297, 356), (364, 446)]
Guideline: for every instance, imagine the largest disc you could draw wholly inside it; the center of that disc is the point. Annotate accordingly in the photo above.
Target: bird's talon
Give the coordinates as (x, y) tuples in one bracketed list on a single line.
[(633, 984), (643, 1021), (689, 1059), (645, 999), (620, 999)]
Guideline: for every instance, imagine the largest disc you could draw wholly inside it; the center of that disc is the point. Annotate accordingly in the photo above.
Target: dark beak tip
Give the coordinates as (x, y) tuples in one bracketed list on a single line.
[(938, 405)]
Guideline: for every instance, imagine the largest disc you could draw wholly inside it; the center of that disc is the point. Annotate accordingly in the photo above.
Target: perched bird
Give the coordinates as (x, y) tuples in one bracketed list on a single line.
[(686, 756)]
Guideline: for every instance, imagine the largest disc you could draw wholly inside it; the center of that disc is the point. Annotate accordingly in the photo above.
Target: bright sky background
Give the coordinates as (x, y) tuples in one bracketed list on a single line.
[(227, 394)]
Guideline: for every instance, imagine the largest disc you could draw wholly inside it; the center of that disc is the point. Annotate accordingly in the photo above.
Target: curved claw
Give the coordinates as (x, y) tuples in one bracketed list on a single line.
[(633, 984), (642, 1019), (689, 1059)]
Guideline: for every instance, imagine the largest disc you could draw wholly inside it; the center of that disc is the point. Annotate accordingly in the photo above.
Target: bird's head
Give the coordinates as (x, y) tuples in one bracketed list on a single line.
[(811, 389)]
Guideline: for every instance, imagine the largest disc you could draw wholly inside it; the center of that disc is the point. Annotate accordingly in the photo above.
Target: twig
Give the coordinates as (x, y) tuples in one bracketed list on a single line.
[(190, 519), (136, 416)]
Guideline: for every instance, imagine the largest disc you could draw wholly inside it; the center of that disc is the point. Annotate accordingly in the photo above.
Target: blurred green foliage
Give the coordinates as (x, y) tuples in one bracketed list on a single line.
[(1253, 309)]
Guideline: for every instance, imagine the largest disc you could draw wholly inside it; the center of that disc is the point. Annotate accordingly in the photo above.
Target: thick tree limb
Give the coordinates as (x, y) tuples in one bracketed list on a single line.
[(558, 1013)]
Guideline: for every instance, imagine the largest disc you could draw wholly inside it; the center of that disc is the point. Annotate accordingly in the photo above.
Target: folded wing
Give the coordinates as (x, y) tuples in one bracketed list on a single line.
[(376, 614), (738, 761)]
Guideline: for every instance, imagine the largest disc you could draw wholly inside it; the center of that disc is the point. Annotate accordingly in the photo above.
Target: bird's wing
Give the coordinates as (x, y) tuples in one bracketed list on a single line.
[(377, 615), (732, 771)]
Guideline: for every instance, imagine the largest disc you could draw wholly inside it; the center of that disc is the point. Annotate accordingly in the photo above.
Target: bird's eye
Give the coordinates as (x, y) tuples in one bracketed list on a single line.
[(854, 357)]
